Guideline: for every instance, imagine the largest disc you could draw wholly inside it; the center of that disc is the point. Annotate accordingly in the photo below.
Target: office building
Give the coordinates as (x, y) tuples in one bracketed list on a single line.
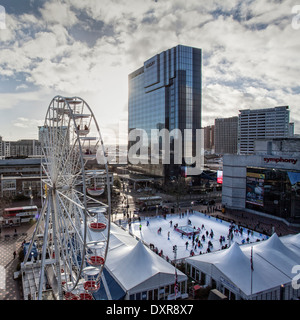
[(20, 148), (209, 139), (257, 124), (226, 135), (20, 177), (165, 93)]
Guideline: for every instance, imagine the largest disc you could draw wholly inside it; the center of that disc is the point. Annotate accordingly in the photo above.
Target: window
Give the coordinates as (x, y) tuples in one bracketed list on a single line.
[(144, 295), (155, 294)]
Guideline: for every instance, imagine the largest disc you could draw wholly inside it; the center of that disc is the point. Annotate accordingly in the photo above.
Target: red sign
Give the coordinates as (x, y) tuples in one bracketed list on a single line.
[(220, 176)]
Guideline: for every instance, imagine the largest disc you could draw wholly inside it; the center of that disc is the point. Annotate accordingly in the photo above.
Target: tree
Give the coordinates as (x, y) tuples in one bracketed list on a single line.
[(4, 203), (117, 182), (178, 188)]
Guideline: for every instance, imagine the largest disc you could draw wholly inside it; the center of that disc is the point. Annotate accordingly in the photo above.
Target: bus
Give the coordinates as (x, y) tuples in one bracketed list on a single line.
[(16, 215)]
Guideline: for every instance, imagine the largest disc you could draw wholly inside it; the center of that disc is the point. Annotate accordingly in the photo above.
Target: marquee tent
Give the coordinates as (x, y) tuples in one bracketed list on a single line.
[(139, 271), (271, 276)]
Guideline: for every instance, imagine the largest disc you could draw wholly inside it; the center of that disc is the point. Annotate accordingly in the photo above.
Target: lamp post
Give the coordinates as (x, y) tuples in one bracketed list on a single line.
[(193, 284)]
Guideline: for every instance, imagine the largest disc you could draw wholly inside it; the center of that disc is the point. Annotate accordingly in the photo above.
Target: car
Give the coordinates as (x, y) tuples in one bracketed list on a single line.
[(205, 202), (211, 202)]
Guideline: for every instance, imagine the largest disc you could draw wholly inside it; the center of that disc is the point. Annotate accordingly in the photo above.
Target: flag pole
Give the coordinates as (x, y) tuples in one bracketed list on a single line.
[(175, 284), (251, 262)]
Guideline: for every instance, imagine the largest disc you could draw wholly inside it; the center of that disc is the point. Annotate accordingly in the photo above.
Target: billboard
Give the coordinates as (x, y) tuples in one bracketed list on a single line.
[(219, 176), (255, 188)]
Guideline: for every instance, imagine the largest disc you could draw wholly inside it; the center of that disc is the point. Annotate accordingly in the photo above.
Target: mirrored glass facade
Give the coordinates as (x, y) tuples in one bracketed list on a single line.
[(271, 191), (166, 93)]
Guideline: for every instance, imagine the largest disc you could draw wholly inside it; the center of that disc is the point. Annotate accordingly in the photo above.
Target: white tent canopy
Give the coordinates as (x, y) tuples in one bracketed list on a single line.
[(273, 260), (134, 266)]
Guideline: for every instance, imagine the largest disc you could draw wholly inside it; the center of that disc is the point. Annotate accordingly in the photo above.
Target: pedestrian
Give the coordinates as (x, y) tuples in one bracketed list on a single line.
[(140, 227), (15, 254), (186, 245), (168, 235), (147, 223)]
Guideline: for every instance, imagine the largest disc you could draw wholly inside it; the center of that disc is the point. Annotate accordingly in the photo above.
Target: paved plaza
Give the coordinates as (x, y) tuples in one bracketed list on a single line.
[(11, 240)]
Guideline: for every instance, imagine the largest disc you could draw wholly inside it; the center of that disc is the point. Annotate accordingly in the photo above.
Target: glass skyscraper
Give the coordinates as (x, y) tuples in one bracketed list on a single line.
[(165, 93)]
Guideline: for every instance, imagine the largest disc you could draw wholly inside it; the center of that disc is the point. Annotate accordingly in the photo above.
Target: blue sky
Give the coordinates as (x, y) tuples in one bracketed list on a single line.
[(88, 48)]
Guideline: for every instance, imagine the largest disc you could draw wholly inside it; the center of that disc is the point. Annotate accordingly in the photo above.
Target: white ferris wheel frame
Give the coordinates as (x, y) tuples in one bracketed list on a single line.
[(66, 209)]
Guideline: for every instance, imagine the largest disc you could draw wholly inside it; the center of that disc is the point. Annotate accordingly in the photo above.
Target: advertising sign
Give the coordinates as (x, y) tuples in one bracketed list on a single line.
[(219, 176), (255, 188)]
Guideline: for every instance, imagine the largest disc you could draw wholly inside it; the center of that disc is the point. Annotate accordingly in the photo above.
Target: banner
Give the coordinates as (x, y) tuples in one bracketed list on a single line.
[(255, 188)]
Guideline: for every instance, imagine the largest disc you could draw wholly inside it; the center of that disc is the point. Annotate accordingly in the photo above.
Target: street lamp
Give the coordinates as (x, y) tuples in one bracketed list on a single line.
[(193, 289), (30, 195)]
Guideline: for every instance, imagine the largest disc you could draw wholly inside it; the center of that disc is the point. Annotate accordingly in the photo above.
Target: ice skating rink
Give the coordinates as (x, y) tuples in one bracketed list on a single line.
[(147, 230)]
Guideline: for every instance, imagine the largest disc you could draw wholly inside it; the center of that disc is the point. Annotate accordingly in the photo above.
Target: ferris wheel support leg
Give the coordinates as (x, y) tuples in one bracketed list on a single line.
[(36, 229), (106, 287), (57, 250), (42, 272)]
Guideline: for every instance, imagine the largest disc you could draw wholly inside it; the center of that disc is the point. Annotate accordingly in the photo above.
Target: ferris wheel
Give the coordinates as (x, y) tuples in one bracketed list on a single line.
[(72, 232)]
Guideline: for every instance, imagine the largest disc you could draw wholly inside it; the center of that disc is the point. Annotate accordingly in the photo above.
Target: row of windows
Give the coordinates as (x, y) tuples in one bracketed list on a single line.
[(158, 293)]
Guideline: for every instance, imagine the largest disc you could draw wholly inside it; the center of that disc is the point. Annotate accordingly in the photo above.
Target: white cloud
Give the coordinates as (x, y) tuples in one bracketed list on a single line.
[(55, 12), (248, 63), (27, 123)]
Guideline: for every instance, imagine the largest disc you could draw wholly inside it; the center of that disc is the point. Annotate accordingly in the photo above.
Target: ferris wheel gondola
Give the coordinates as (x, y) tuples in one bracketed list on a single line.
[(66, 220), (96, 185)]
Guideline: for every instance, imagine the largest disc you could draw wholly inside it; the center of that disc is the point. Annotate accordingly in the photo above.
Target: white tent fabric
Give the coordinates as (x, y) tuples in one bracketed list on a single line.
[(272, 262), (134, 266), (292, 242)]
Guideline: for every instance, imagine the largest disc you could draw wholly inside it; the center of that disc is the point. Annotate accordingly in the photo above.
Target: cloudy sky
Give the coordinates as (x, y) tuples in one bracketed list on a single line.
[(88, 48)]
